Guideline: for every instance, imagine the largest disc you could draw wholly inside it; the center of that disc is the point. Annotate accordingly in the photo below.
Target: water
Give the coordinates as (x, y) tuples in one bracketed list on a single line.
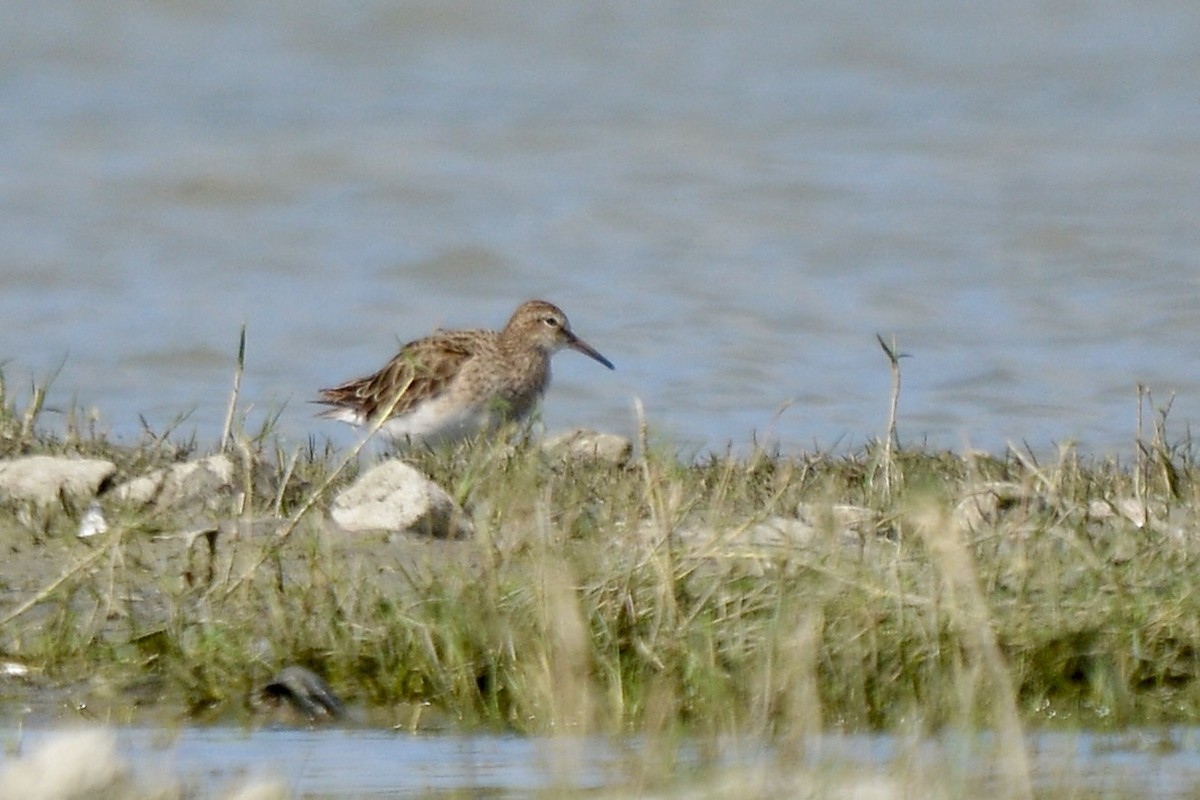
[(729, 202), (211, 762)]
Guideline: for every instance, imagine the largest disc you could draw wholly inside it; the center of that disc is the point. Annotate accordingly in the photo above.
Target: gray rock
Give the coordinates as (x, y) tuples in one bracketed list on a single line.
[(396, 497), (781, 532), (208, 481), (987, 502), (773, 532), (842, 519), (43, 479), (1139, 513), (302, 690), (590, 445)]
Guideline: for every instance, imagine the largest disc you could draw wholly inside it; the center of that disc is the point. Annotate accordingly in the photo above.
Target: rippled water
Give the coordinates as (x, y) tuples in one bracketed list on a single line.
[(729, 200), (212, 762)]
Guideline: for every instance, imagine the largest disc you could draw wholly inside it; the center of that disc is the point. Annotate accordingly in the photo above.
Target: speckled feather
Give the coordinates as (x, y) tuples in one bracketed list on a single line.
[(455, 383)]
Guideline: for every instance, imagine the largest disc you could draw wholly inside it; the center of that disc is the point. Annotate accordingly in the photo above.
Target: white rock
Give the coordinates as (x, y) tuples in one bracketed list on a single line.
[(205, 480), (1134, 510), (13, 669), (841, 518), (93, 522), (1137, 512), (585, 444), (773, 532), (985, 502), (781, 532), (43, 478), (396, 497)]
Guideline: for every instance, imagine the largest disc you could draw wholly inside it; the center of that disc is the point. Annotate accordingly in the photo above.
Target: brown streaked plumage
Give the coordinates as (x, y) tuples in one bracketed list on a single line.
[(455, 383)]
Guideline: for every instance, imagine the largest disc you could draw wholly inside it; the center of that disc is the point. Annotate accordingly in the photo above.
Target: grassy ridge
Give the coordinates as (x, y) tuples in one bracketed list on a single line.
[(925, 589)]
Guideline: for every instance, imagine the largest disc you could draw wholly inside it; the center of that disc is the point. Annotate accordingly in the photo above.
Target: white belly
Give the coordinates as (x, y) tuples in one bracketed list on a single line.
[(431, 422)]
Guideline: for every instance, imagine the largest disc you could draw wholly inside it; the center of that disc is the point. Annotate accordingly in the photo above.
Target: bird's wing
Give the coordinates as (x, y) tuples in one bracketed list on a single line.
[(420, 371)]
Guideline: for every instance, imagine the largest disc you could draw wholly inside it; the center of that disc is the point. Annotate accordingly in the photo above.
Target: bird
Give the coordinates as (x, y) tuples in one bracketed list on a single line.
[(454, 384)]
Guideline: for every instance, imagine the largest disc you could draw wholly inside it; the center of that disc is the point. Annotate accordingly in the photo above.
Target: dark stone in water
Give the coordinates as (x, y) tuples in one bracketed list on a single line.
[(305, 691)]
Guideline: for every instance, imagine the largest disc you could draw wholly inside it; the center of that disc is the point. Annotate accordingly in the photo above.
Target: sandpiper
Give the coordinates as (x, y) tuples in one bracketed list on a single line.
[(453, 384)]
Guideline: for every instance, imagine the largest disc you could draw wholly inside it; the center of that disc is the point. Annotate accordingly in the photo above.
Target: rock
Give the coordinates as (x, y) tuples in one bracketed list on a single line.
[(1135, 511), (13, 669), (844, 520), (771, 533), (396, 497), (93, 522), (590, 445), (780, 532), (303, 692), (43, 479), (208, 482), (846, 524), (988, 501)]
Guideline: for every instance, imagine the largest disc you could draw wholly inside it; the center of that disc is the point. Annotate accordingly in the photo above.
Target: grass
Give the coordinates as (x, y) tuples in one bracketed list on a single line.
[(924, 590)]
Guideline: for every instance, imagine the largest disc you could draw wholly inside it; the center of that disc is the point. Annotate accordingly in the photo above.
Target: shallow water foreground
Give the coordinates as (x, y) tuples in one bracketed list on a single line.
[(224, 762)]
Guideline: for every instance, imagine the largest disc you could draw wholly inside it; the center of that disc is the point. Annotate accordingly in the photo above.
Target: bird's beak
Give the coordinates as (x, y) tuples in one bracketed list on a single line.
[(575, 343)]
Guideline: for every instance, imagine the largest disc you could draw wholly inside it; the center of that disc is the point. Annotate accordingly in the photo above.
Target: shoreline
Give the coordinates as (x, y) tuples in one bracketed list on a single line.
[(742, 593)]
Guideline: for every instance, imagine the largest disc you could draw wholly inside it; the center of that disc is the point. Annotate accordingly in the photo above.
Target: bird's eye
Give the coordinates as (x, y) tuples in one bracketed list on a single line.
[(551, 321)]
